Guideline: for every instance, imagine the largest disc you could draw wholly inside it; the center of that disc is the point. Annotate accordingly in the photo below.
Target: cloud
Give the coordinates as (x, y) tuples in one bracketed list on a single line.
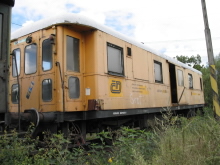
[(179, 24), (120, 21), (27, 23)]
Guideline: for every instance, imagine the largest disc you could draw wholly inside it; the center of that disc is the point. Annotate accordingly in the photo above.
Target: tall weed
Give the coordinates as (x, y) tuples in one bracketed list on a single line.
[(197, 141)]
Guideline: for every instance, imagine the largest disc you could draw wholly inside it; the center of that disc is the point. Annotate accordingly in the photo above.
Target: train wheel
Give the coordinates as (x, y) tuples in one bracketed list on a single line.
[(191, 113)]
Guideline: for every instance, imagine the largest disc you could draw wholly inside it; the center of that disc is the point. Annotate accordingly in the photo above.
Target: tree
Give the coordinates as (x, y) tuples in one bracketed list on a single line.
[(207, 89), (193, 61)]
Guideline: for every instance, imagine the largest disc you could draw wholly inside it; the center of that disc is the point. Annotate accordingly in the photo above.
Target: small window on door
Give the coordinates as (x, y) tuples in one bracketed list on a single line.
[(158, 72), (74, 87), (180, 77), (47, 90), (14, 94), (190, 77), (72, 54)]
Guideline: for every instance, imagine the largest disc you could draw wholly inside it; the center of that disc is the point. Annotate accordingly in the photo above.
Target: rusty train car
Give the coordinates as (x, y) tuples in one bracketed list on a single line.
[(5, 26), (71, 73)]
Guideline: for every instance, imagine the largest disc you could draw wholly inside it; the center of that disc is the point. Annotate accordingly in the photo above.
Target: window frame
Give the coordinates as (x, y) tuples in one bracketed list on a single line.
[(18, 64), (201, 83), (51, 64), (129, 52), (25, 59), (161, 71), (121, 58), (179, 83), (76, 68), (190, 75), (69, 87), (47, 100)]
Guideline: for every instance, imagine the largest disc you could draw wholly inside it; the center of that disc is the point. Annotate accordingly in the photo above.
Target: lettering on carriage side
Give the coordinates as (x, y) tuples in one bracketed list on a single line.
[(115, 87), (162, 91), (193, 93), (139, 88), (119, 113)]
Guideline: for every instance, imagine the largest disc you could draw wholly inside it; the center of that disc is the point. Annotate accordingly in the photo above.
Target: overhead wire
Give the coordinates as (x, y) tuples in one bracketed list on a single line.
[(195, 39), (16, 24)]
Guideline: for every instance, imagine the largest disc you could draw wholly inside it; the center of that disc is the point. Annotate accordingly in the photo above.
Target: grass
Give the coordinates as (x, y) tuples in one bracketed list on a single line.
[(194, 141)]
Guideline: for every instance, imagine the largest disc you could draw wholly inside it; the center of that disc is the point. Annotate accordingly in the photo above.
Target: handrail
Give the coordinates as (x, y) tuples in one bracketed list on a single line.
[(181, 95), (19, 104), (62, 82)]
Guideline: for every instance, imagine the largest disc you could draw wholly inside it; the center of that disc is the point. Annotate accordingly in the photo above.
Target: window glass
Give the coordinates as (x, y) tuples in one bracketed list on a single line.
[(74, 87), (30, 59), (158, 72), (180, 77), (14, 94), (46, 55), (72, 54), (201, 83), (115, 59), (47, 90), (190, 81), (128, 51), (17, 54), (1, 28)]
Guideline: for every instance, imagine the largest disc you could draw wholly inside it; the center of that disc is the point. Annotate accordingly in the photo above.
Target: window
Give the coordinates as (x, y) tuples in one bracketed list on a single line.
[(190, 81), (17, 54), (201, 83), (1, 29), (158, 72), (14, 94), (74, 87), (47, 90), (30, 59), (180, 77), (128, 51), (72, 54), (115, 59), (46, 55)]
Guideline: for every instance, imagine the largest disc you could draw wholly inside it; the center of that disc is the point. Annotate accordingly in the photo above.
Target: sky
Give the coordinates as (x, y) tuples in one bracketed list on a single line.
[(171, 27)]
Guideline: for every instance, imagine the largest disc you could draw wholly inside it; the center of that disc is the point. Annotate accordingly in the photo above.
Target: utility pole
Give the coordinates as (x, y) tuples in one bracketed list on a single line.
[(213, 76)]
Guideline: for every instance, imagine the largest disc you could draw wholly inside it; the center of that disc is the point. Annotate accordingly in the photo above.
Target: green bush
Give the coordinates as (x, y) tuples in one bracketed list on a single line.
[(194, 141), (14, 150)]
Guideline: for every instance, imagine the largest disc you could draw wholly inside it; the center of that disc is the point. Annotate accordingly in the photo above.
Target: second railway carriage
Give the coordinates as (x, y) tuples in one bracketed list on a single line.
[(74, 72), (5, 22)]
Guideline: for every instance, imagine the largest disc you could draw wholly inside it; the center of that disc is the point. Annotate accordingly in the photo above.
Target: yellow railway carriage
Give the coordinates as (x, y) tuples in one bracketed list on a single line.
[(69, 70)]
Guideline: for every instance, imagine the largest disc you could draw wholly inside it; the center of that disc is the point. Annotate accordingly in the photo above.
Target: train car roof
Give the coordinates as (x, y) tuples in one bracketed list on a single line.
[(77, 19), (8, 2)]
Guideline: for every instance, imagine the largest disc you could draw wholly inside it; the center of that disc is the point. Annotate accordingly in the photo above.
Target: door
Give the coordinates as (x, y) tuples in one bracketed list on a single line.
[(73, 67), (173, 86)]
